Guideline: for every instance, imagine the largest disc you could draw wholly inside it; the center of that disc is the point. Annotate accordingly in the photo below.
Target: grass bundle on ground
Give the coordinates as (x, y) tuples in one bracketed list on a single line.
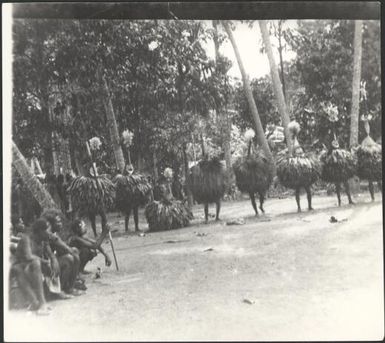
[(87, 198), (167, 215), (338, 165), (298, 171), (131, 191), (253, 174), (369, 164), (207, 181)]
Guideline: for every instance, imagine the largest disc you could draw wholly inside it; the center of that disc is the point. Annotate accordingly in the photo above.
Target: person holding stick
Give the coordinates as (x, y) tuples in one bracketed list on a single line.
[(87, 247), (93, 194)]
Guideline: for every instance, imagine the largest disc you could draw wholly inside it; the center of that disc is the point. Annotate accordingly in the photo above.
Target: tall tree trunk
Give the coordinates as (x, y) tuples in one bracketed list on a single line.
[(155, 165), (354, 183), (187, 177), (223, 115), (249, 95), (280, 48), (30, 180), (79, 165), (65, 144), (276, 83), (112, 125), (356, 83), (55, 154), (37, 165)]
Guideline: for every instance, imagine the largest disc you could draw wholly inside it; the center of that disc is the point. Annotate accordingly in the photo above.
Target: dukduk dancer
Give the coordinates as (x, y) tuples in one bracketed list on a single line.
[(254, 173), (87, 198), (132, 189), (167, 213), (207, 182), (298, 171), (369, 156), (337, 165)]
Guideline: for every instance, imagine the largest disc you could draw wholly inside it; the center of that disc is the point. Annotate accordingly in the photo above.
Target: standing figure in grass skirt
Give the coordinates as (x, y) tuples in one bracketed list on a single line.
[(167, 213), (132, 190), (298, 171), (208, 183), (254, 173), (88, 200), (337, 165), (369, 156)]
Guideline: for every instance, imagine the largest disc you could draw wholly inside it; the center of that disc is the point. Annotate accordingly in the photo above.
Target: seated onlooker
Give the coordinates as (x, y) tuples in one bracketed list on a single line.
[(87, 247), (27, 268), (67, 257)]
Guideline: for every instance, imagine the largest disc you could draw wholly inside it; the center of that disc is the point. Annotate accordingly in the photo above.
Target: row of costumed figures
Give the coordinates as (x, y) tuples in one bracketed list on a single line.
[(92, 195)]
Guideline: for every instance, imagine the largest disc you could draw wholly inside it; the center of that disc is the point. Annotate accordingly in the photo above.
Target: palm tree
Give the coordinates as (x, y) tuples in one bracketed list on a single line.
[(249, 95), (356, 83), (30, 180), (111, 124), (276, 83)]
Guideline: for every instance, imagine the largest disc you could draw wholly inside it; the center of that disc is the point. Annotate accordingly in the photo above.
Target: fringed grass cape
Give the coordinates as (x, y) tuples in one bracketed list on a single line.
[(338, 165), (297, 171), (208, 181), (369, 164), (86, 196), (131, 191), (167, 215), (253, 173)]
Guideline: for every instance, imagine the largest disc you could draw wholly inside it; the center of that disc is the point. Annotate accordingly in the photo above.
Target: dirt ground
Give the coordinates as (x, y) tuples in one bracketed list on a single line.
[(282, 276)]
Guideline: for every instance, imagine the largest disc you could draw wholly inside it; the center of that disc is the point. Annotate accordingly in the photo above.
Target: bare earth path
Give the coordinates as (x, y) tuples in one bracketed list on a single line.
[(306, 278)]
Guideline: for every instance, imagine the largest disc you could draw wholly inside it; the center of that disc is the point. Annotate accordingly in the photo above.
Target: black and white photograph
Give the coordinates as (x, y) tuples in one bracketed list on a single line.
[(192, 171)]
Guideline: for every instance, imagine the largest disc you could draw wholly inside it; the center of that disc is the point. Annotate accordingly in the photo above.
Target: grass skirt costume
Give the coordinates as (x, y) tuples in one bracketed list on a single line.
[(131, 191), (369, 156), (297, 171), (338, 165), (87, 198), (253, 174), (167, 213), (208, 181)]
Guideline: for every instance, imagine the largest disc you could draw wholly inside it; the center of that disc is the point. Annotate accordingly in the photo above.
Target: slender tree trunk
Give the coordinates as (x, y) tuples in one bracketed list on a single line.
[(112, 126), (276, 83), (37, 165), (249, 95), (354, 183), (223, 115), (30, 180), (78, 163), (280, 48), (55, 154), (227, 144), (65, 144), (356, 83), (155, 165), (31, 165), (187, 177)]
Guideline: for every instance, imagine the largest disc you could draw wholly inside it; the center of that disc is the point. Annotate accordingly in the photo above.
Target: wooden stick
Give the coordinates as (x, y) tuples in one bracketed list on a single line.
[(107, 231), (113, 250)]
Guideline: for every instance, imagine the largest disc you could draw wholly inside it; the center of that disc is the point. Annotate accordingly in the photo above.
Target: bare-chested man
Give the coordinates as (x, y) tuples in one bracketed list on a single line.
[(87, 247), (31, 257), (68, 258)]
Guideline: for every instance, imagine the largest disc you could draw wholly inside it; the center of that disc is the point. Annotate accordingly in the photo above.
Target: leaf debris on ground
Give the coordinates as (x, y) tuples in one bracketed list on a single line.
[(248, 301), (238, 221)]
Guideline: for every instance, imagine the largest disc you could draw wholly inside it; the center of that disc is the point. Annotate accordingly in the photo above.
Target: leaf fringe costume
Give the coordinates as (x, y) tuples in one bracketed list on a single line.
[(298, 171)]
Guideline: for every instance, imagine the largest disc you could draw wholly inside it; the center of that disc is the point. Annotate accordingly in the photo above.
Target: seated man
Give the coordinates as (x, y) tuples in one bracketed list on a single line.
[(28, 264), (87, 247), (68, 258)]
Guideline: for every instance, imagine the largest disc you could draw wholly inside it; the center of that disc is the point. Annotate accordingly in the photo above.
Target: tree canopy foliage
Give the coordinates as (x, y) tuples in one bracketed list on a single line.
[(164, 85)]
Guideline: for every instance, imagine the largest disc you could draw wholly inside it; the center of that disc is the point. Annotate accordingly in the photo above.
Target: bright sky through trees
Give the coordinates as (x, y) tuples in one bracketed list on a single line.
[(249, 43)]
